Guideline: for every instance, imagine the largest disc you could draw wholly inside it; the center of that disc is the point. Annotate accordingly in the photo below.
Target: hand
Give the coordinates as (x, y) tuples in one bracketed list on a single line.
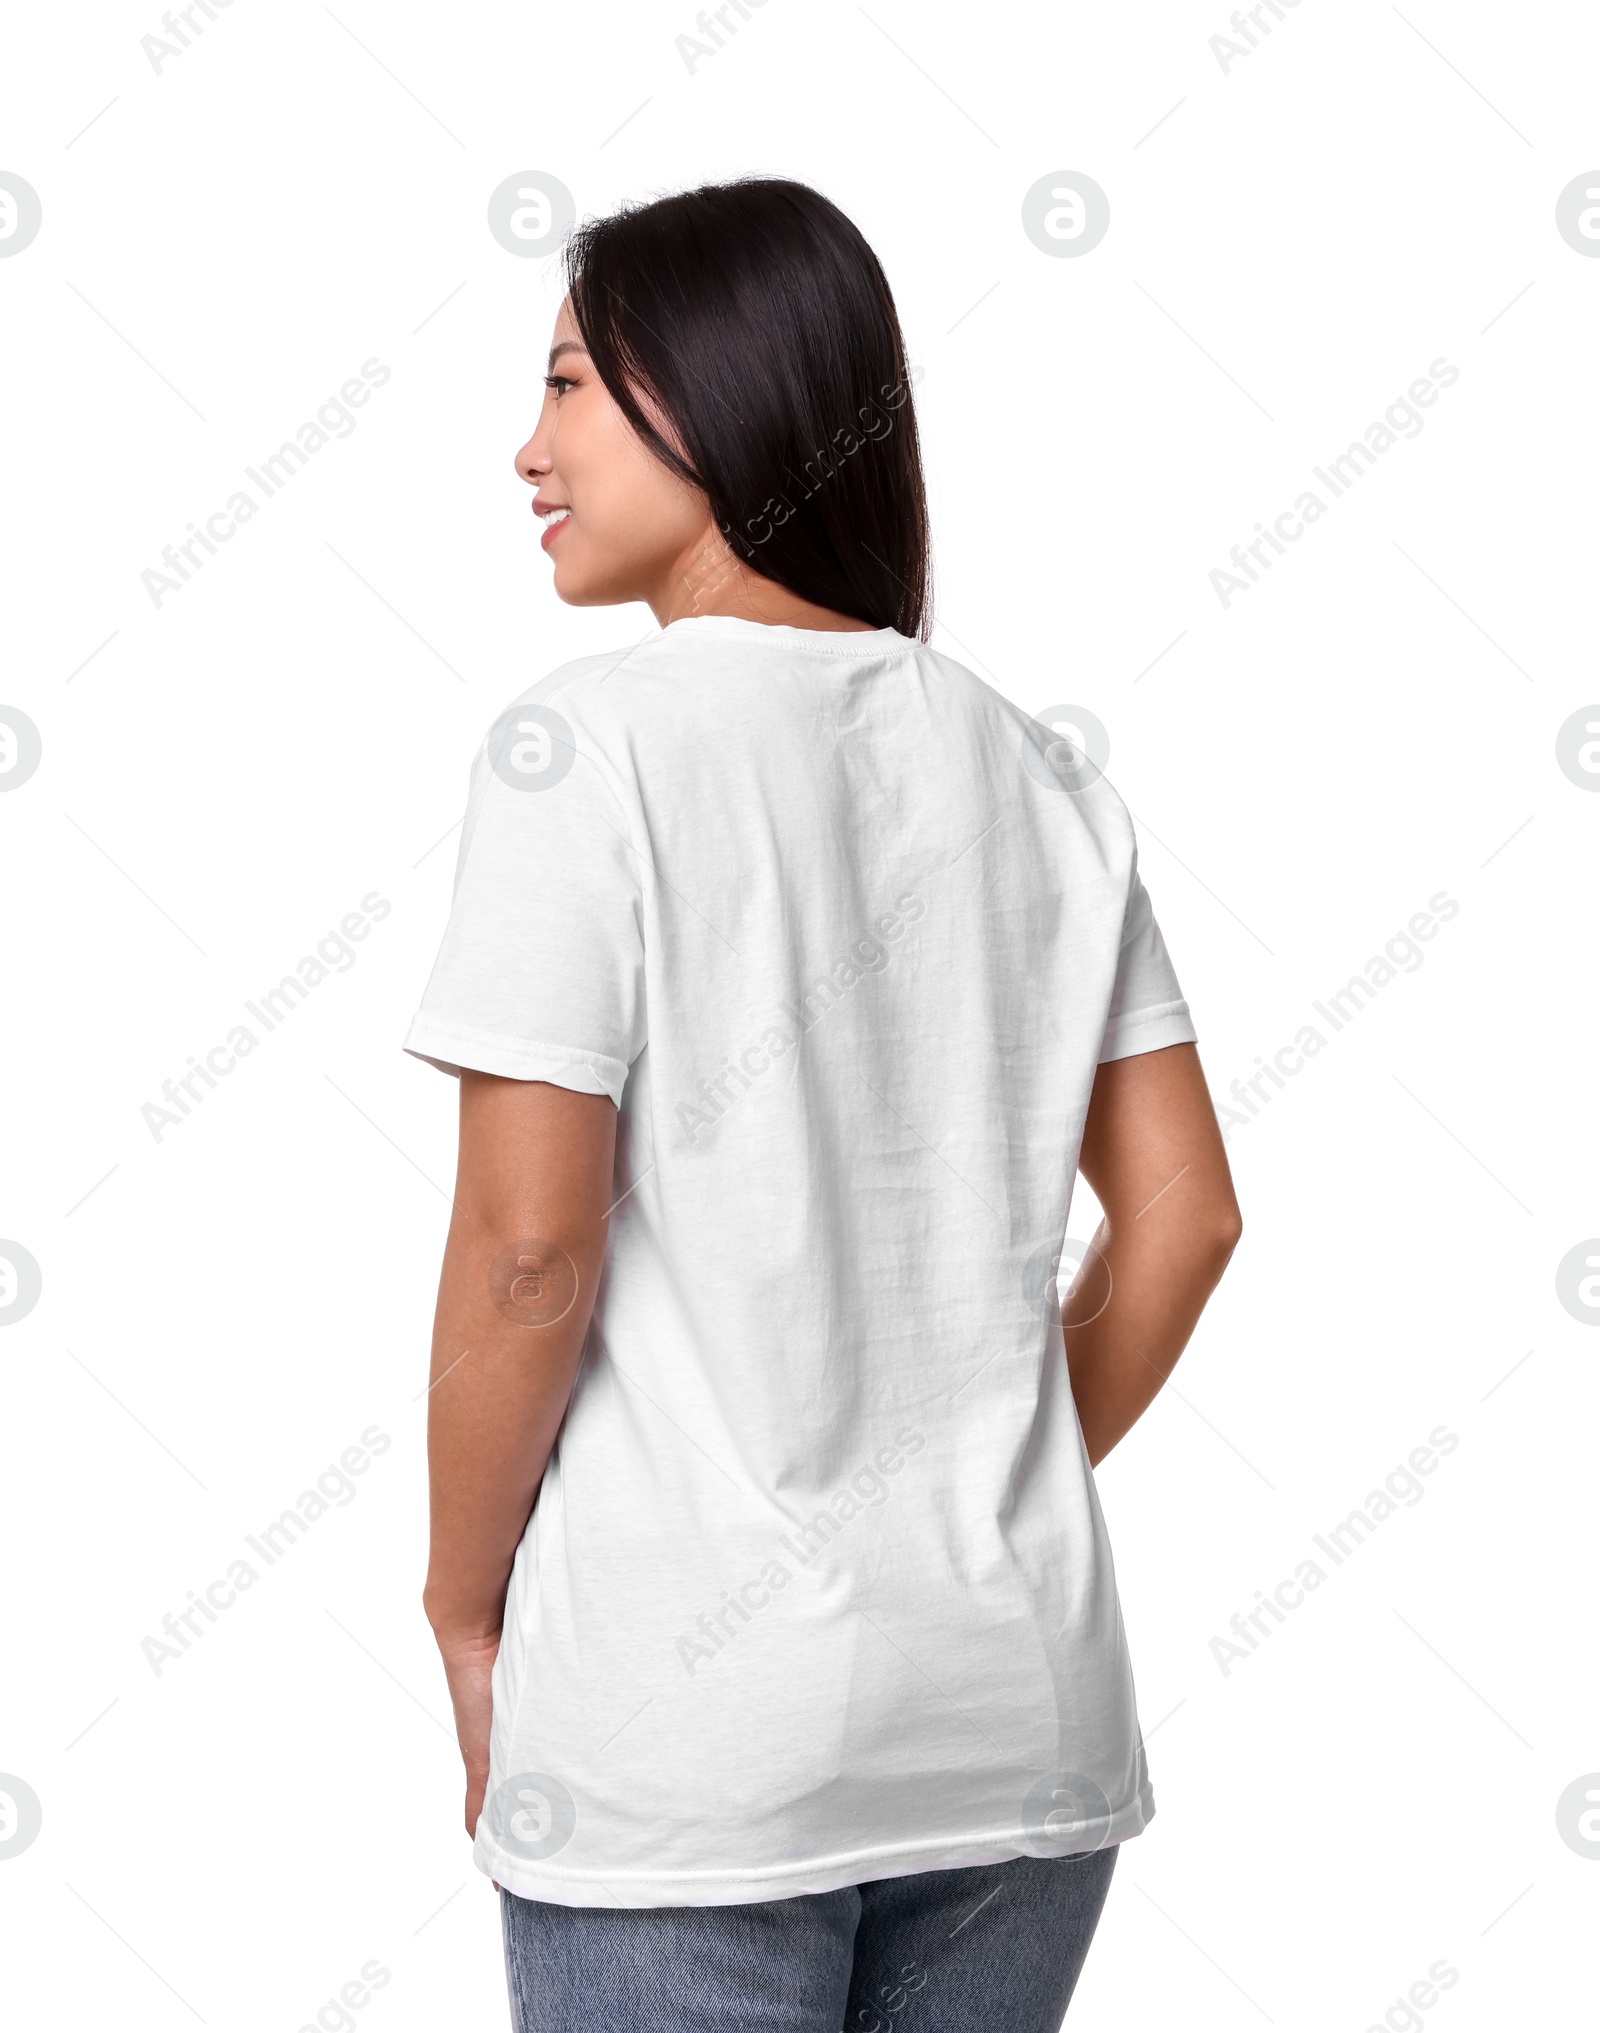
[(469, 1668)]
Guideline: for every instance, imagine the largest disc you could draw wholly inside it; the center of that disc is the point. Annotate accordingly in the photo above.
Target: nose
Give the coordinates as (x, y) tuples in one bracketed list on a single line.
[(532, 461)]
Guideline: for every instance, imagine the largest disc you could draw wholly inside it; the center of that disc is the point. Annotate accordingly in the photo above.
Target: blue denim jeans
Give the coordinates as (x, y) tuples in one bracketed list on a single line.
[(968, 1951)]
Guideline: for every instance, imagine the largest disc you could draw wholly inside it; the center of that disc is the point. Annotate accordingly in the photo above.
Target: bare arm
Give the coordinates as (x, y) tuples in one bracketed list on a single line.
[(1153, 1153), (534, 1168)]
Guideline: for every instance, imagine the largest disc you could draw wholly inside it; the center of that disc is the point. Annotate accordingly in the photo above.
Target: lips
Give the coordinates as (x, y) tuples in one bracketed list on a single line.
[(554, 520)]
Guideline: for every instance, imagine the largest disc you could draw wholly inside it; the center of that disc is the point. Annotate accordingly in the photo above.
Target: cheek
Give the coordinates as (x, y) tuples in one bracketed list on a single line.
[(625, 500), (590, 461)]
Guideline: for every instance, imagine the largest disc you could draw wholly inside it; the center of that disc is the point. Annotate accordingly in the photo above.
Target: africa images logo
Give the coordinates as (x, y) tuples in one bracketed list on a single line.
[(1402, 419), (868, 954), (531, 1816)]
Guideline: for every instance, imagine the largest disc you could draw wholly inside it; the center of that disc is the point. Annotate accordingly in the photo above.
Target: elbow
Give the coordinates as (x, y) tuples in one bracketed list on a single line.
[(1222, 1235)]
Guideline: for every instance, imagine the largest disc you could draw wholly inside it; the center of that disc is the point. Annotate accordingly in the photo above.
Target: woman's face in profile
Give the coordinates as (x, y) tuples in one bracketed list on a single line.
[(617, 524)]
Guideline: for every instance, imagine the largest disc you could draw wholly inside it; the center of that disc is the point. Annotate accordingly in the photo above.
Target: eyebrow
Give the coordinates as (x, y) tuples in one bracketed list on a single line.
[(568, 346)]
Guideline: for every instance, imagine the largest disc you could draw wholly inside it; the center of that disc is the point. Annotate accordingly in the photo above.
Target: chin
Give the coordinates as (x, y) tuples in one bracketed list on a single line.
[(578, 588)]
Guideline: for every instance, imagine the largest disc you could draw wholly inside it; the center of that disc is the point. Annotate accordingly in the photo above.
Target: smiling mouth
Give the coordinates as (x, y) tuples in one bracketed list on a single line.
[(553, 519)]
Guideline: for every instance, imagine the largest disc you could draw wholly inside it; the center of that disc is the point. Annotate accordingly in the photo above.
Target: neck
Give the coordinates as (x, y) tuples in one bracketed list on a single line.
[(710, 579)]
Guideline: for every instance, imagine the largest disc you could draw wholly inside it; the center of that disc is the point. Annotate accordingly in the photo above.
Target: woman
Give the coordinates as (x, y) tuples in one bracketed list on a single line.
[(790, 975)]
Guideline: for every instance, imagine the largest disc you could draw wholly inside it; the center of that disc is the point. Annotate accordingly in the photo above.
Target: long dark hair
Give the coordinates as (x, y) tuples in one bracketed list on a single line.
[(757, 321)]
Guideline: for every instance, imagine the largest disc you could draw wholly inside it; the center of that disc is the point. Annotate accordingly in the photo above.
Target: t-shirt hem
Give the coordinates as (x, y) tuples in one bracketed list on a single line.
[(557, 1887), (451, 1047), (1148, 1030)]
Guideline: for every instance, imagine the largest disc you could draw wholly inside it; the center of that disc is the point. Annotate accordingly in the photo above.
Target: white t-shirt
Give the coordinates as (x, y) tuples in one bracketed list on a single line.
[(817, 1587)]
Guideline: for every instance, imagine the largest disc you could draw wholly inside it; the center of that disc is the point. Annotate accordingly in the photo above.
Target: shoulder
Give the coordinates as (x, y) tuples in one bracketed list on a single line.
[(570, 687), (1056, 763), (560, 716), (603, 694)]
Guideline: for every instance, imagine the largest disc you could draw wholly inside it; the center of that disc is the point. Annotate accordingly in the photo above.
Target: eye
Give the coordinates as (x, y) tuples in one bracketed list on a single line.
[(559, 383)]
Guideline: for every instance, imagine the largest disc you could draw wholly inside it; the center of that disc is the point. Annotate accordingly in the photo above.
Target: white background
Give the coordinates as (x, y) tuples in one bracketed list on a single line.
[(225, 776)]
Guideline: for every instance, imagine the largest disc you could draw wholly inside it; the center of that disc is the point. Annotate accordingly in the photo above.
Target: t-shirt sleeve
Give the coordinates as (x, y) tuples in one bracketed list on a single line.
[(1147, 1006), (540, 975)]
